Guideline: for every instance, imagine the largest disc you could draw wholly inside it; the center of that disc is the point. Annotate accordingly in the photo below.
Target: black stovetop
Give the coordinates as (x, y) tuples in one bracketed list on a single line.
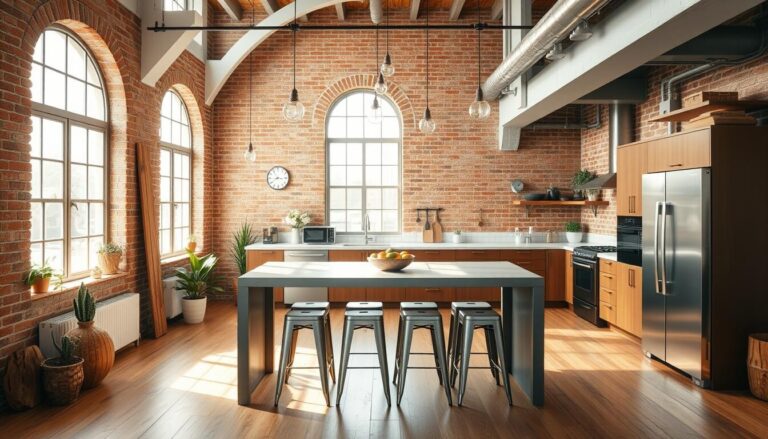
[(591, 251)]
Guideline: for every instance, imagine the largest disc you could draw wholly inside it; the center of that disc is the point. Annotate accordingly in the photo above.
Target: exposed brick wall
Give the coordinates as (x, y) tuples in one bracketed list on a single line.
[(594, 156), (459, 167), (113, 34)]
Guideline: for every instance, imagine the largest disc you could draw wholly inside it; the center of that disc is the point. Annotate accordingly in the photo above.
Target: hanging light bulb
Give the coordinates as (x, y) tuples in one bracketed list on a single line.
[(387, 69), (581, 32), (479, 109), (250, 154), (556, 52), (374, 112), (293, 110), (381, 85), (426, 124)]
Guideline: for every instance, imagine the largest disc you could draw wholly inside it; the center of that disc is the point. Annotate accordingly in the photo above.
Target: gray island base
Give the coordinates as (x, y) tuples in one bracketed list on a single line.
[(522, 305)]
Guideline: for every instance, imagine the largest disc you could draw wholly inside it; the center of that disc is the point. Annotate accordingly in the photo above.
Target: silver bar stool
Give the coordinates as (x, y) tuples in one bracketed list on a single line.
[(469, 321), (297, 319), (328, 337), (363, 315), (414, 305), (422, 319), (453, 340)]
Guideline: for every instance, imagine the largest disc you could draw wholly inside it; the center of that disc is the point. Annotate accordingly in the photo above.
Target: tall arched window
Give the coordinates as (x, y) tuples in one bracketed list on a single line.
[(175, 171), (363, 165), (68, 155)]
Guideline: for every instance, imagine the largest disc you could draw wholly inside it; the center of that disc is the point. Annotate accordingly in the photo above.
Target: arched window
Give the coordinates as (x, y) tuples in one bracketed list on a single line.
[(175, 171), (68, 155), (363, 165)]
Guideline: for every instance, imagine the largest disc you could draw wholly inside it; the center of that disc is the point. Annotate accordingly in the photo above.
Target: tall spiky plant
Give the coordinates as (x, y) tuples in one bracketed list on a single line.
[(243, 237), (85, 306)]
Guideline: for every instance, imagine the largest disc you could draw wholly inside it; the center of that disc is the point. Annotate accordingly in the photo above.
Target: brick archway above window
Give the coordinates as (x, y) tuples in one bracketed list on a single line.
[(356, 82)]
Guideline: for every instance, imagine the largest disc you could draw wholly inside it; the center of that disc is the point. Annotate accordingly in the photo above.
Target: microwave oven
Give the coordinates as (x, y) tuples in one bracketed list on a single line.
[(319, 235)]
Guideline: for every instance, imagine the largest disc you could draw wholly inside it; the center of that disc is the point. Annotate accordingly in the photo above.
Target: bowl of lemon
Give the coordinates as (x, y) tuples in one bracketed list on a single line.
[(391, 260)]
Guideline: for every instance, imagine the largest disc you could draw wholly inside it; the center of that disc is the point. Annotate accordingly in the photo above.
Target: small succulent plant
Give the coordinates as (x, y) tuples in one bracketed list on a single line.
[(85, 306), (66, 351)]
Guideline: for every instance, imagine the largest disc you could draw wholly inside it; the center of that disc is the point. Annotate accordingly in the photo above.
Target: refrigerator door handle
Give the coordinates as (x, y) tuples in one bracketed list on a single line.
[(656, 247), (664, 248)]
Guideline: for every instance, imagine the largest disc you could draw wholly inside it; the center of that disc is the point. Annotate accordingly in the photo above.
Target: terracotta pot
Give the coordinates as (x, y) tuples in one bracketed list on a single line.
[(41, 285), (108, 262), (193, 310), (95, 347), (191, 246), (62, 383)]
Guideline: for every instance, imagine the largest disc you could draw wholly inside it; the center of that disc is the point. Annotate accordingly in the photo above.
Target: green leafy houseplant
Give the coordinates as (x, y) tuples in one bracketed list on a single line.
[(198, 280), (581, 177), (110, 248), (573, 227), (573, 231), (109, 257), (244, 236), (39, 277)]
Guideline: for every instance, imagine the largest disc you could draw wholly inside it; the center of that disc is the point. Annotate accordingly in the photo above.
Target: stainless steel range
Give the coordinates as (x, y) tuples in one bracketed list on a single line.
[(586, 282)]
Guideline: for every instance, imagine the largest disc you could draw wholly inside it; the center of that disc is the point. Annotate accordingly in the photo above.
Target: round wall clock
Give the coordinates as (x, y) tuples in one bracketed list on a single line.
[(278, 177)]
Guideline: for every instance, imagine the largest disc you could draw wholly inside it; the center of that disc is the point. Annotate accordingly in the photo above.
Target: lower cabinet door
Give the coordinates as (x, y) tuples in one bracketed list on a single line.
[(385, 294), (430, 294), (347, 295), (489, 294)]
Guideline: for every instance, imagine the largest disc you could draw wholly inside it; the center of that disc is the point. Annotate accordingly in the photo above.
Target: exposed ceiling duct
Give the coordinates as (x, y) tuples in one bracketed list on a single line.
[(555, 25), (376, 11)]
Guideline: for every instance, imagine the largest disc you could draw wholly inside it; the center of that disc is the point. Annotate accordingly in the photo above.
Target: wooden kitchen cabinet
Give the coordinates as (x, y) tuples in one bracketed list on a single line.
[(686, 150), (629, 298), (487, 294), (554, 281), (444, 294), (632, 163), (607, 291), (532, 260), (351, 294), (568, 256), (255, 258)]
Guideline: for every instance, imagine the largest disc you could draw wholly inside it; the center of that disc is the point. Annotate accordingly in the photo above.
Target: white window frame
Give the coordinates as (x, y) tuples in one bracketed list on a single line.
[(68, 119), (364, 186)]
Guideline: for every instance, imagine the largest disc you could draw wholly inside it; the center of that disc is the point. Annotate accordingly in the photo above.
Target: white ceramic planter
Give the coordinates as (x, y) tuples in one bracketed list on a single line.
[(457, 239), (574, 237), (295, 236), (193, 310)]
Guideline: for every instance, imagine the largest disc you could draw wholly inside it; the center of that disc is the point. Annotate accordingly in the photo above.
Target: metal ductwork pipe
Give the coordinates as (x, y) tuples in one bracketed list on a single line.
[(621, 130), (553, 27), (376, 12)]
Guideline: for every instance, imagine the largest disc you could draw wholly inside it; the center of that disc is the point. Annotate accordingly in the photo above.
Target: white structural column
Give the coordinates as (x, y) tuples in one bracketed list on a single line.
[(340, 12), (217, 72), (415, 4), (232, 8), (515, 12), (455, 11), (159, 50), (626, 38)]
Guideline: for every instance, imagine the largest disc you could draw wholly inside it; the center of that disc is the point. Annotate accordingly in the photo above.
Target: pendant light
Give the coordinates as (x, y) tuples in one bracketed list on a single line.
[(381, 84), (555, 53), (480, 109), (293, 110), (387, 69), (250, 154), (426, 124), (374, 111), (582, 32)]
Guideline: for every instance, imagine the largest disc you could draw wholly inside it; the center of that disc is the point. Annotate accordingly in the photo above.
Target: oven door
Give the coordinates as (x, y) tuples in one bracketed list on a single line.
[(629, 237), (585, 281)]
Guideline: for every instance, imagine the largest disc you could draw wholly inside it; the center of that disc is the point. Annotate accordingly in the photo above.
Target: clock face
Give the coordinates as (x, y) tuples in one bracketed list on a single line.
[(277, 178)]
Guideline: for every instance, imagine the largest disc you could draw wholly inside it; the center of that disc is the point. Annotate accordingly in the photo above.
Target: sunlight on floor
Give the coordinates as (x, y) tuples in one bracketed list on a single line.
[(214, 375)]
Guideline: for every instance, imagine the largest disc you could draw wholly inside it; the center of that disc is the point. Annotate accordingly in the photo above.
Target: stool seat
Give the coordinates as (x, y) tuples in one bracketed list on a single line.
[(470, 305), (479, 315), (311, 305), (364, 305), (427, 314), (364, 313), (306, 314), (418, 305)]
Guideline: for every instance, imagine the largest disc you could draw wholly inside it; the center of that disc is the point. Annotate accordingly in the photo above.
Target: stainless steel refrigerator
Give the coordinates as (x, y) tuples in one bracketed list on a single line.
[(676, 270)]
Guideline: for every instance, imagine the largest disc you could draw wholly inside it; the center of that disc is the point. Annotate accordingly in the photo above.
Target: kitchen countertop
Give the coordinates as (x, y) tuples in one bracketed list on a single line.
[(432, 246)]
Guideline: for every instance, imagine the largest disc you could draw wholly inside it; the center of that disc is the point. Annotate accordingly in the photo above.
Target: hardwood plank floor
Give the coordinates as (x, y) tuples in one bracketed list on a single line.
[(598, 384)]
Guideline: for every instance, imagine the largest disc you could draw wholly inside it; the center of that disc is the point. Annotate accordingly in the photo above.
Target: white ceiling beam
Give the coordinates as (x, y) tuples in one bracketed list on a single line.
[(455, 11), (270, 6), (497, 10), (159, 50), (340, 11), (376, 11), (415, 9), (232, 8)]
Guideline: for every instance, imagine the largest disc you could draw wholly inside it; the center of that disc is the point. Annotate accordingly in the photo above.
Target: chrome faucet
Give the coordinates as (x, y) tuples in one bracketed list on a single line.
[(366, 228)]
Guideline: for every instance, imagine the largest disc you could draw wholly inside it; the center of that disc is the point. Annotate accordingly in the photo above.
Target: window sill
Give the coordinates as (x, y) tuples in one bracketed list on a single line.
[(75, 284), (176, 258)]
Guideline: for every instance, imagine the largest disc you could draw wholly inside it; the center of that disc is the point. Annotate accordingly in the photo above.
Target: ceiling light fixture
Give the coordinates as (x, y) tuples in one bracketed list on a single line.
[(381, 84), (387, 69), (479, 109), (293, 110), (556, 52), (426, 124), (250, 154), (581, 32)]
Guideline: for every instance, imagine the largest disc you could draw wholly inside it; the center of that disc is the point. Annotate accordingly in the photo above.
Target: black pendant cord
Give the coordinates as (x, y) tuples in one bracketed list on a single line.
[(294, 43), (479, 33), (376, 60), (386, 18), (427, 51), (250, 89)]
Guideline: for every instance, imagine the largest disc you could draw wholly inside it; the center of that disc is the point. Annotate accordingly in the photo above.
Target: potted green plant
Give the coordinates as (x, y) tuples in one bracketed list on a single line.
[(243, 237), (196, 282), (581, 177), (297, 220), (63, 375), (456, 237), (573, 232), (93, 344), (110, 255), (593, 194), (191, 243), (39, 277)]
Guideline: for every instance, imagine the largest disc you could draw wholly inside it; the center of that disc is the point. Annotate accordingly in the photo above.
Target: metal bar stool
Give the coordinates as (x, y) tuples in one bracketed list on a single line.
[(363, 315), (469, 321), (453, 340), (421, 318), (297, 319), (414, 305), (328, 337)]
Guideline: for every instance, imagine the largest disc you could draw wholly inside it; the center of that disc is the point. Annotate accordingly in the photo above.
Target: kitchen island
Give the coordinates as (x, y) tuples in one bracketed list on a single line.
[(521, 293)]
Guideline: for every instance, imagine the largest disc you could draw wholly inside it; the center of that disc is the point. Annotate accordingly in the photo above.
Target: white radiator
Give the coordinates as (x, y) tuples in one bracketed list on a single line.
[(119, 316), (171, 297)]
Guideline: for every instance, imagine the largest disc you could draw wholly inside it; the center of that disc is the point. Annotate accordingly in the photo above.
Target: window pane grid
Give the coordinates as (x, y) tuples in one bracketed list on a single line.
[(175, 200)]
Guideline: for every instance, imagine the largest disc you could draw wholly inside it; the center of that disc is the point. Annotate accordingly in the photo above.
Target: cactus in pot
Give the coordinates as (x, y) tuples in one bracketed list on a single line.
[(63, 375), (94, 344)]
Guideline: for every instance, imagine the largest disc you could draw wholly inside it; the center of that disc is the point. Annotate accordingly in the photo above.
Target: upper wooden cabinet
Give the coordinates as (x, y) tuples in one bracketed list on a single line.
[(631, 165), (686, 150)]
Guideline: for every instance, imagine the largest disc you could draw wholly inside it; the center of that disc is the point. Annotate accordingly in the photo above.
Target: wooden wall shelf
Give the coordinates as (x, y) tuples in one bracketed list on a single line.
[(554, 203)]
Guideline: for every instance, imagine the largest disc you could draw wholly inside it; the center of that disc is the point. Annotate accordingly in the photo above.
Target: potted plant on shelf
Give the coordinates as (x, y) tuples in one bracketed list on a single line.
[(196, 282), (39, 277), (581, 177), (593, 194), (297, 220), (92, 344), (244, 236), (573, 232), (456, 237), (63, 375), (110, 255), (191, 243)]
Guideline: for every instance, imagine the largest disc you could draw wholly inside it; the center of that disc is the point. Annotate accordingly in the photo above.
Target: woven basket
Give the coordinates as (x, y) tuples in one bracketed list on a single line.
[(757, 364), (62, 383), (108, 262)]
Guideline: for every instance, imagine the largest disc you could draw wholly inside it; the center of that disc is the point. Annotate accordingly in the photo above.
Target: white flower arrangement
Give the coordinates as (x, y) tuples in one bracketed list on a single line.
[(297, 219)]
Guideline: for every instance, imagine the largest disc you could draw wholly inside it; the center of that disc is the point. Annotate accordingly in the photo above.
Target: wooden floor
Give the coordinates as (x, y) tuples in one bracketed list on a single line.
[(598, 384)]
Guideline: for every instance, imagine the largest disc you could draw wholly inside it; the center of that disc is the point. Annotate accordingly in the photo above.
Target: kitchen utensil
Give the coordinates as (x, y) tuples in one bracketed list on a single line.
[(426, 234), (480, 222), (517, 186), (418, 216), (390, 264), (553, 193), (437, 228), (534, 196)]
